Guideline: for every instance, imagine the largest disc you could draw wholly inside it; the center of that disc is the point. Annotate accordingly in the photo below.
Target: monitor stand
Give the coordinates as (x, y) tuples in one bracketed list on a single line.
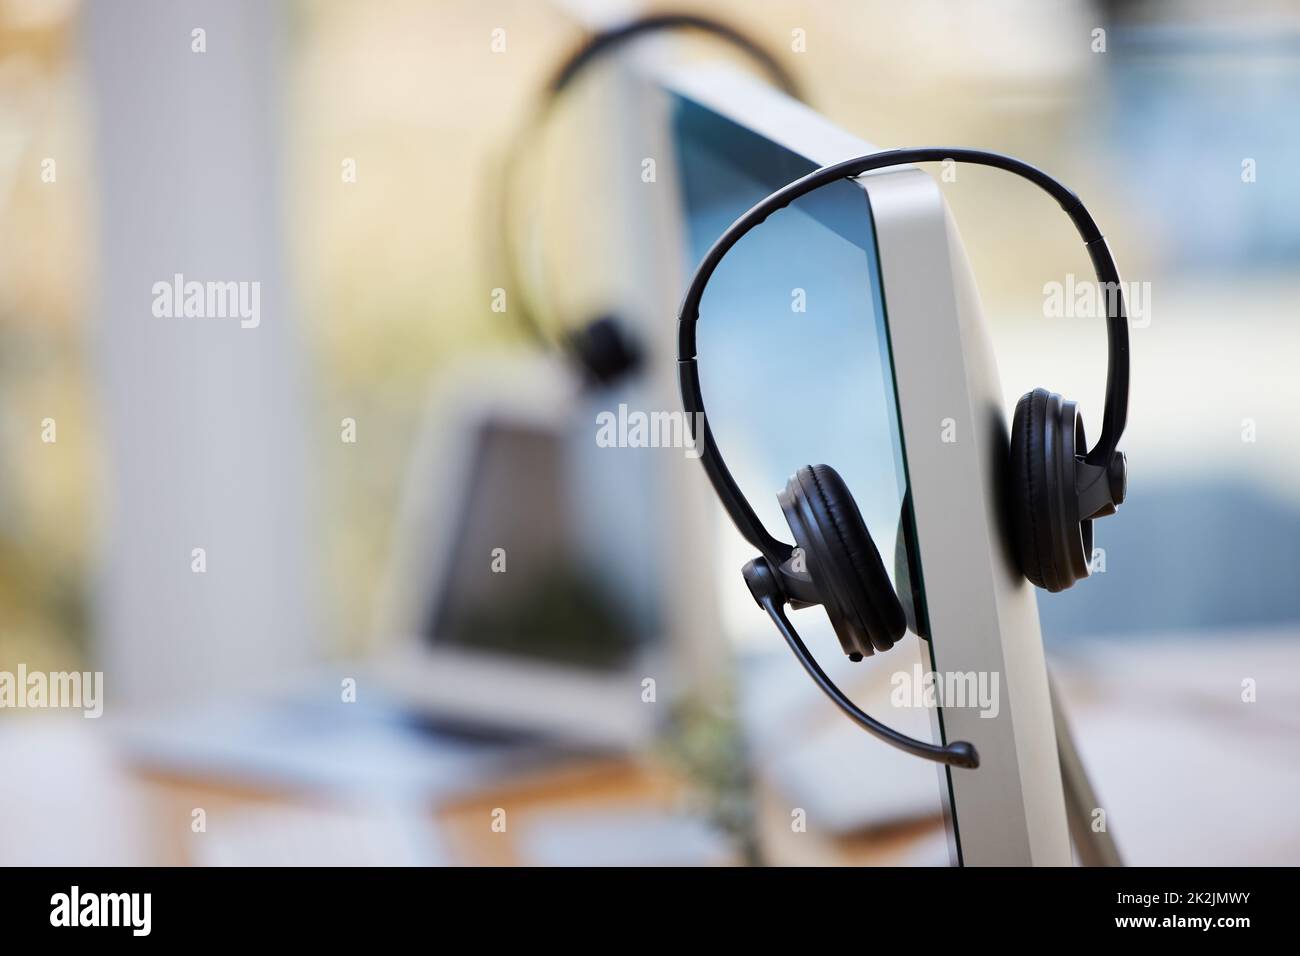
[(1094, 847)]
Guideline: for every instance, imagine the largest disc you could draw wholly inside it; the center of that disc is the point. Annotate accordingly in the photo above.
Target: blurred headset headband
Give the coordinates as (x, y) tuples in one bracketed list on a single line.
[(602, 347)]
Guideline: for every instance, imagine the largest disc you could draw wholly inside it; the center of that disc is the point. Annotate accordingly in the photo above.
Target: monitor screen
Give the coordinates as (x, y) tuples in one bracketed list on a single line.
[(529, 574), (793, 344)]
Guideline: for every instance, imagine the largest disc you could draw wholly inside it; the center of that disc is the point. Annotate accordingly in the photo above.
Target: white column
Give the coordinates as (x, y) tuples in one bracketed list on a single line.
[(202, 420)]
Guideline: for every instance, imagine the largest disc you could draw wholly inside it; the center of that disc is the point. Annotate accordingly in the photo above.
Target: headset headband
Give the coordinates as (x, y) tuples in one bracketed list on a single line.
[(1117, 373), (609, 40), (592, 49)]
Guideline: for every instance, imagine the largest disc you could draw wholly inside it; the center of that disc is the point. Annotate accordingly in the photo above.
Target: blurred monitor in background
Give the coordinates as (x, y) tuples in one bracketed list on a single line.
[(527, 581), (537, 596)]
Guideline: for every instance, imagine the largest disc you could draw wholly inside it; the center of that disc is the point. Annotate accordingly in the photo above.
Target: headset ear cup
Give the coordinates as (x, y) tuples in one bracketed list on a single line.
[(1026, 478), (811, 551), (1049, 540), (605, 351), (843, 560)]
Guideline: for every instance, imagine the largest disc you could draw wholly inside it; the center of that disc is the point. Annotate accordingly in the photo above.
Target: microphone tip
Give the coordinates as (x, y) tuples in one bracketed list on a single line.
[(963, 754)]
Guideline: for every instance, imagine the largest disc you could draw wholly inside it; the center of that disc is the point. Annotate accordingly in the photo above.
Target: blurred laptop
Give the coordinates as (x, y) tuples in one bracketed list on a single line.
[(522, 595), (519, 621)]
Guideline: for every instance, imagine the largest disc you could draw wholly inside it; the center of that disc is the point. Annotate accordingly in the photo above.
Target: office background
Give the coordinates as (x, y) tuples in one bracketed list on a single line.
[(1175, 120)]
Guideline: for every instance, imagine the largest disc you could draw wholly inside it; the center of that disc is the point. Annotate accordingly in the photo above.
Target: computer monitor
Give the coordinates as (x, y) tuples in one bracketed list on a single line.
[(525, 588), (847, 330)]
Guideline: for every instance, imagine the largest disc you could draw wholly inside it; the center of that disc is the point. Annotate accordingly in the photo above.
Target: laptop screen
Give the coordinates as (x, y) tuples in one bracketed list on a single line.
[(531, 575)]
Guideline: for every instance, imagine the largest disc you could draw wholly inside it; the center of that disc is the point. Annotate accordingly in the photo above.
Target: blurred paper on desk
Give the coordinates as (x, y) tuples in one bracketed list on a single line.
[(623, 838), (319, 836)]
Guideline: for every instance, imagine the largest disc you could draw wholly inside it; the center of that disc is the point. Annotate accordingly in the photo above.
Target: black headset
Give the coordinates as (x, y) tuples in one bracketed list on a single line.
[(602, 349), (1057, 488)]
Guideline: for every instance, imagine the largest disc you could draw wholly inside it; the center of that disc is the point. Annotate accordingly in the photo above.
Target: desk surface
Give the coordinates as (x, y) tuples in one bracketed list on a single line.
[(1171, 746)]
